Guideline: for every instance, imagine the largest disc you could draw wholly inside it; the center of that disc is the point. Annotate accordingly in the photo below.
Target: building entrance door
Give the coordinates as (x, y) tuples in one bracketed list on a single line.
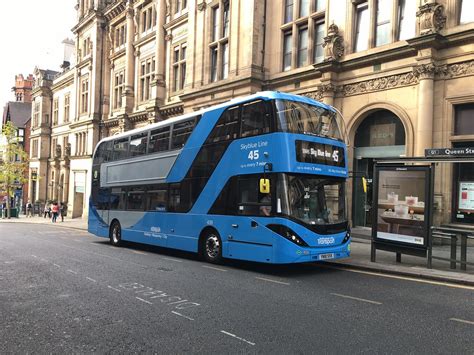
[(380, 135)]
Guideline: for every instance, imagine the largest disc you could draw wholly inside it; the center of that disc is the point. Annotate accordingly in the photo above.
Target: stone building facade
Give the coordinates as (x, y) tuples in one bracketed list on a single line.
[(399, 71)]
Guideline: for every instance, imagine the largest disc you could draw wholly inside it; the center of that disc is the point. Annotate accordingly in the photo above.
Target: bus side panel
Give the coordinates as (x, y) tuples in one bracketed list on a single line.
[(96, 225), (183, 231)]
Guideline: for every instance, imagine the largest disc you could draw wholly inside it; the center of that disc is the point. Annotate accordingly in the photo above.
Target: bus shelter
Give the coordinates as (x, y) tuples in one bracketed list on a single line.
[(421, 201)]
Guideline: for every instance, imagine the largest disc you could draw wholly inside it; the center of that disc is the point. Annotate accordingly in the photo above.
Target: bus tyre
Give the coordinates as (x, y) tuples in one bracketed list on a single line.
[(115, 234), (212, 247)]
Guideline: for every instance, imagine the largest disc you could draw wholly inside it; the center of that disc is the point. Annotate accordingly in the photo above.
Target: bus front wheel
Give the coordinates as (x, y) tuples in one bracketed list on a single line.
[(212, 247), (115, 234)]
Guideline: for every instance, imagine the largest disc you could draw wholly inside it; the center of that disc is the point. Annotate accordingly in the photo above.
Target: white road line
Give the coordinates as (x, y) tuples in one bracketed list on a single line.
[(178, 261), (9, 262), (141, 299), (236, 337), (213, 268), (181, 315), (91, 279), (34, 256), (406, 278), (139, 252), (356, 298), (270, 280), (462, 321), (72, 271), (56, 265), (113, 288)]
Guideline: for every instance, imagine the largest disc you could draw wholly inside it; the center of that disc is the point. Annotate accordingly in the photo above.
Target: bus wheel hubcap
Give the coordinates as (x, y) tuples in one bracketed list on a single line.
[(115, 234), (212, 246)]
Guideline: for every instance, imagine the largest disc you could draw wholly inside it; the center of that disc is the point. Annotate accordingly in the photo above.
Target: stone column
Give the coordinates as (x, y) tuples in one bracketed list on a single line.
[(128, 93), (424, 126), (159, 82)]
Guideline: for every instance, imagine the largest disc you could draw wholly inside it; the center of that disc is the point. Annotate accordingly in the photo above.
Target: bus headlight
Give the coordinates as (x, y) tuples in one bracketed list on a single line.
[(287, 233), (346, 238)]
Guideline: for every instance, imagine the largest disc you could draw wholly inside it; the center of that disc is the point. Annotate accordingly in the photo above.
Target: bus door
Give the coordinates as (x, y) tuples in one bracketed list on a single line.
[(248, 233)]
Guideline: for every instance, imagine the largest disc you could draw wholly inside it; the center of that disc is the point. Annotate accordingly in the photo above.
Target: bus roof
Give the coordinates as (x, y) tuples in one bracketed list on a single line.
[(259, 95)]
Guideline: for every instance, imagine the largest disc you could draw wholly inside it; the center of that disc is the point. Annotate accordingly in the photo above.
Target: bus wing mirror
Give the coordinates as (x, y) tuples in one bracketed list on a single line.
[(264, 186)]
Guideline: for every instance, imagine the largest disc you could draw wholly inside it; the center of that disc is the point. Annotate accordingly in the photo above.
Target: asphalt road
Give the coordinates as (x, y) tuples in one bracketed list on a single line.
[(64, 290)]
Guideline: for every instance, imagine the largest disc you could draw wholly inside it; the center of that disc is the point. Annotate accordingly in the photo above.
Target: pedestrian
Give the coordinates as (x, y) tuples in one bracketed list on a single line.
[(47, 210), (55, 211), (29, 209), (62, 210)]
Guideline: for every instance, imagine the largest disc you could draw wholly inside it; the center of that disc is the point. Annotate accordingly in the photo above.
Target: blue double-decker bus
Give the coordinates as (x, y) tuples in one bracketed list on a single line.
[(258, 178)]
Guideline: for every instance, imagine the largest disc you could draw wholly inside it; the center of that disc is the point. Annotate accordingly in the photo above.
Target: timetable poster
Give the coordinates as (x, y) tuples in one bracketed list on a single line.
[(466, 196)]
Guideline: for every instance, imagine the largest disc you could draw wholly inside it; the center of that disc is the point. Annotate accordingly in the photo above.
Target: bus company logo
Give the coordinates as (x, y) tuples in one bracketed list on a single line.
[(155, 229), (326, 241)]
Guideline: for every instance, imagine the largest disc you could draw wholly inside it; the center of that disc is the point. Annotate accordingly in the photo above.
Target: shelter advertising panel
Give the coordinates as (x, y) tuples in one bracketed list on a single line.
[(401, 211)]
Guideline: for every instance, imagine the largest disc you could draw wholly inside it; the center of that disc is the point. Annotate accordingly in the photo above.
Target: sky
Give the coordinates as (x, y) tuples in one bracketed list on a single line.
[(31, 32)]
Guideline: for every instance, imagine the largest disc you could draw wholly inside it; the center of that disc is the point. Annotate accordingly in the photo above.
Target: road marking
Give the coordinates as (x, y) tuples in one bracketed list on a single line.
[(141, 299), (236, 337), (34, 256), (407, 278), (56, 265), (113, 288), (178, 261), (356, 298), (90, 279), (270, 280), (138, 252), (213, 268), (72, 271), (9, 262), (181, 315), (462, 321)]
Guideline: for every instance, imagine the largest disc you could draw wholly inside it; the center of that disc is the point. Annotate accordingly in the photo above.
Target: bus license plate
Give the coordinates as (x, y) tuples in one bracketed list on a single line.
[(326, 256)]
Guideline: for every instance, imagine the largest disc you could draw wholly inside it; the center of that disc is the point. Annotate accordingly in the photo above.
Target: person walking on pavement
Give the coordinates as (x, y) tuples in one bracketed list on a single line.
[(29, 209), (62, 211), (55, 211), (47, 210)]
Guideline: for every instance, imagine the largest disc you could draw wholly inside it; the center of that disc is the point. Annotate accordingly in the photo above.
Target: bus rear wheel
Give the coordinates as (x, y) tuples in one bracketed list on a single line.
[(115, 234), (212, 247)]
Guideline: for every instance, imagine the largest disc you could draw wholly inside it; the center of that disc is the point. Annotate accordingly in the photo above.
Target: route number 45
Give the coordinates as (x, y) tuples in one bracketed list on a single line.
[(254, 155)]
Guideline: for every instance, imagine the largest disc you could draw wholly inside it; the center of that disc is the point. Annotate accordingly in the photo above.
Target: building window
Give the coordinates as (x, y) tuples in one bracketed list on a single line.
[(148, 19), (319, 5), (65, 144), (303, 36), (179, 67), (318, 42), (67, 99), (304, 8), (36, 114), (464, 120), (119, 85), (86, 47), (287, 50), (288, 11), (84, 103), (120, 36), (382, 26), (302, 47), (53, 147), (406, 19), (179, 6), (466, 13), (218, 48), (362, 27), (147, 69), (34, 149), (55, 111)]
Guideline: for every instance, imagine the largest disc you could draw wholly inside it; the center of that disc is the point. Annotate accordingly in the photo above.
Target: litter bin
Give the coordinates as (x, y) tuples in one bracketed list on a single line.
[(13, 212)]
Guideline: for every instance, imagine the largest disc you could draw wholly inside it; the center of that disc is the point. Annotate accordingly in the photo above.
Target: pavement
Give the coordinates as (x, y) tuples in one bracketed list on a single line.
[(386, 263)]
